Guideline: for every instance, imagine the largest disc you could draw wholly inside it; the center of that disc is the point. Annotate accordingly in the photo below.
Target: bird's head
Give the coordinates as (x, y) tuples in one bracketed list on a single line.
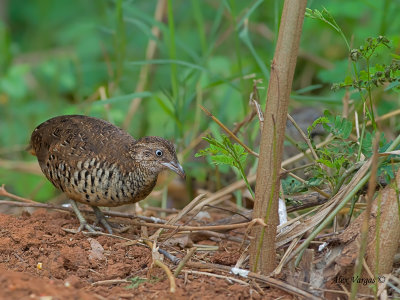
[(158, 154)]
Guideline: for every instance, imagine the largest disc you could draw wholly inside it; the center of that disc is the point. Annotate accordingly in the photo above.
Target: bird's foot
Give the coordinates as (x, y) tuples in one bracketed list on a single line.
[(83, 226), (83, 223), (105, 225), (88, 228), (101, 219)]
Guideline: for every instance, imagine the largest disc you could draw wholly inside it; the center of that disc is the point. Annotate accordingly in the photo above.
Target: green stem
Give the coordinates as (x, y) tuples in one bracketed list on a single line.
[(293, 142), (247, 182), (370, 95), (239, 166), (345, 175)]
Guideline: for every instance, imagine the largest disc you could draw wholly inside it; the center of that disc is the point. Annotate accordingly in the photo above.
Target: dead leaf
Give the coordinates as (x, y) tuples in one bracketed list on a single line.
[(182, 241), (97, 250)]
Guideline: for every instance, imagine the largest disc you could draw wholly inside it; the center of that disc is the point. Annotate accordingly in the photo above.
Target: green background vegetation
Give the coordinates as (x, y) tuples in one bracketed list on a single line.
[(55, 55)]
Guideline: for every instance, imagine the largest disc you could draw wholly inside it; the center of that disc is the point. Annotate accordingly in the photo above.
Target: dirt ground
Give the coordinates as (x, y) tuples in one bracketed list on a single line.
[(39, 260)]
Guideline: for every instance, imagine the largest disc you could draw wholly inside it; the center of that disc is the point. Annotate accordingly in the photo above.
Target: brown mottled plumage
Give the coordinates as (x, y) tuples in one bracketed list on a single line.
[(94, 162)]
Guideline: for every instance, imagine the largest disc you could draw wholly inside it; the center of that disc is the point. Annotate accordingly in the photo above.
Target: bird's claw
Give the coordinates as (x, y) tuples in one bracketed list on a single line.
[(101, 219), (105, 224), (87, 227), (83, 226)]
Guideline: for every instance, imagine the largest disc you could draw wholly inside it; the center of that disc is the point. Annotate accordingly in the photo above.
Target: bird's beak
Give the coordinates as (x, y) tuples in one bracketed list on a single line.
[(176, 167)]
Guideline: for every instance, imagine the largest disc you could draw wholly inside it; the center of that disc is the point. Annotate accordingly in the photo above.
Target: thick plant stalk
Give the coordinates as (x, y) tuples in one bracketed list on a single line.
[(384, 238), (262, 248)]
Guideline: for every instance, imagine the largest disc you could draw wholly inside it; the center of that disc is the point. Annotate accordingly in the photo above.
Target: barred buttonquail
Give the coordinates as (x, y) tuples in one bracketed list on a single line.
[(96, 163)]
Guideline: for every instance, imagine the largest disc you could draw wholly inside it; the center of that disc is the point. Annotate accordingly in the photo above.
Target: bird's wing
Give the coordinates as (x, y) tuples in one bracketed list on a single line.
[(76, 137)]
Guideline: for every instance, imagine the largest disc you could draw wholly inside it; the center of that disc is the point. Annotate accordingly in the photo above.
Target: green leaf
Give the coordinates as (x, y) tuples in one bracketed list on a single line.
[(363, 75), (292, 186), (223, 159), (392, 85), (320, 120), (260, 62), (202, 152), (338, 126), (166, 62), (317, 99), (308, 89), (315, 181), (346, 128), (223, 152), (325, 162), (348, 80), (123, 98), (324, 16), (136, 281)]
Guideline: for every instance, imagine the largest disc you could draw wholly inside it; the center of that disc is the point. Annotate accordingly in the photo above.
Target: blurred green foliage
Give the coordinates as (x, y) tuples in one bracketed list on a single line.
[(56, 55)]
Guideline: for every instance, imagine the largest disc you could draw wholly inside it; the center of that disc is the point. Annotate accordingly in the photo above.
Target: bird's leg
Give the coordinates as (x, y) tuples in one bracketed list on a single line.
[(82, 220), (102, 219)]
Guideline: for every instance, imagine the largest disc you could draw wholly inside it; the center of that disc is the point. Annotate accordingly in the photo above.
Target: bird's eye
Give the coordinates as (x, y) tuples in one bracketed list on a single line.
[(159, 153)]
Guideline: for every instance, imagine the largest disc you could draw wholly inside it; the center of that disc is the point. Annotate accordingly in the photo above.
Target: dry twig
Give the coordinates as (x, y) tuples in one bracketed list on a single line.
[(306, 139), (256, 221), (4, 193), (230, 133), (183, 262), (69, 209), (171, 278), (229, 278), (110, 282)]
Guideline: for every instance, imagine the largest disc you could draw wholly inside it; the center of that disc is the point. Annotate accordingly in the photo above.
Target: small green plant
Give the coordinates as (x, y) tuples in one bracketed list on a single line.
[(336, 157), (136, 281), (371, 76), (224, 152), (366, 77), (325, 16), (293, 186), (339, 159), (338, 126)]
